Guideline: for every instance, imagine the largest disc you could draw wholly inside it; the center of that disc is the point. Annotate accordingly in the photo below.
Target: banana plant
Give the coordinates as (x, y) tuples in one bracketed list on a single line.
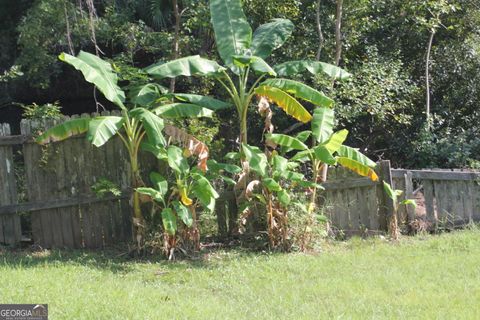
[(327, 149), (180, 198), (393, 195), (245, 72), (140, 125), (276, 177)]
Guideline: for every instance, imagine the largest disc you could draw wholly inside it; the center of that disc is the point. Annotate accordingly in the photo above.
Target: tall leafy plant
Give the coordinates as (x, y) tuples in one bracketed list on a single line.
[(245, 72), (140, 124)]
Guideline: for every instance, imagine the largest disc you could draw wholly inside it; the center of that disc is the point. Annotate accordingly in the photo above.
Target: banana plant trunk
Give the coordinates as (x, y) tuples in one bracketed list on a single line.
[(138, 223)]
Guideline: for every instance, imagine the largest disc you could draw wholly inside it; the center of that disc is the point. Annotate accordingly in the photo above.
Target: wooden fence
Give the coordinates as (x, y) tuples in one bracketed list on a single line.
[(66, 213)]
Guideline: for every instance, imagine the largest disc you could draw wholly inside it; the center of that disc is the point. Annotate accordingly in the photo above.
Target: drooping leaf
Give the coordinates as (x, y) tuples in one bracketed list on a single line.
[(301, 91), (152, 124), (286, 102), (358, 168), (291, 68), (183, 213), (99, 73), (336, 141), (255, 63), (202, 101), (184, 197), (271, 36), (182, 110), (159, 182), (191, 144), (322, 154), (356, 155), (154, 194), (64, 131), (286, 141), (101, 129), (188, 66), (250, 188), (256, 159), (176, 160), (322, 124), (169, 220), (271, 184), (233, 34)]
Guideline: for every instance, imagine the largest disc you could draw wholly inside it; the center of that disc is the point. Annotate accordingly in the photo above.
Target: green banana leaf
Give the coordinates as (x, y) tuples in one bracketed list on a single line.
[(64, 131), (322, 124), (159, 182), (291, 68), (176, 160), (152, 193), (202, 101), (271, 184), (233, 34), (187, 66), (101, 129), (182, 110), (286, 102), (286, 141), (271, 36), (301, 91), (98, 72)]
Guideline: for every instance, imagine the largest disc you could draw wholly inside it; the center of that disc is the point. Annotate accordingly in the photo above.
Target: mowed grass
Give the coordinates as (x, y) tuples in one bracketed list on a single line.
[(432, 277)]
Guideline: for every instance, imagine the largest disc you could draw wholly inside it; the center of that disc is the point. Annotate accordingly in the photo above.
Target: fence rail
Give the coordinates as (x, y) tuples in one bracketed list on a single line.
[(66, 213)]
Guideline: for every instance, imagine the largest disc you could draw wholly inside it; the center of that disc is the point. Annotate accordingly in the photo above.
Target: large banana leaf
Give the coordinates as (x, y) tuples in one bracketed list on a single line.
[(321, 153), (202, 101), (233, 34), (257, 160), (336, 141), (169, 220), (286, 141), (300, 90), (64, 130), (152, 124), (285, 101), (322, 124), (356, 155), (182, 110), (188, 66), (291, 68), (271, 36), (358, 167), (98, 72), (101, 129), (255, 63)]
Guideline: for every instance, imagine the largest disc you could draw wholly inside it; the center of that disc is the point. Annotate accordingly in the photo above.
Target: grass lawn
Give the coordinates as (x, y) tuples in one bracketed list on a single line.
[(435, 277)]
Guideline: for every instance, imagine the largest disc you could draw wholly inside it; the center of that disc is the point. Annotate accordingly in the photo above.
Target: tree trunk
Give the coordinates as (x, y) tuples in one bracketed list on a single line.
[(176, 46), (338, 33), (319, 30), (427, 77)]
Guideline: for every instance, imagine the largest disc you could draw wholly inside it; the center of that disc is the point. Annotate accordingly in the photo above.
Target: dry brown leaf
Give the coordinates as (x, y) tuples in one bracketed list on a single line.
[(190, 143), (250, 187)]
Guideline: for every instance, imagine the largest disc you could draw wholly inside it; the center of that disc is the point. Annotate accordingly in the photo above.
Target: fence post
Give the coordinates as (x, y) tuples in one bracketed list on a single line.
[(409, 195), (10, 229), (388, 206)]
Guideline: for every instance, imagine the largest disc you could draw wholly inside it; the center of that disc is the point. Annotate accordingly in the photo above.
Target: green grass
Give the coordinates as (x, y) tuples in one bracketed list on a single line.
[(436, 277)]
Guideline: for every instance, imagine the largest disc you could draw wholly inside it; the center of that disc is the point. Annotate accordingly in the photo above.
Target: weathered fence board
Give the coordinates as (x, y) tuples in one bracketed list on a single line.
[(10, 230)]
